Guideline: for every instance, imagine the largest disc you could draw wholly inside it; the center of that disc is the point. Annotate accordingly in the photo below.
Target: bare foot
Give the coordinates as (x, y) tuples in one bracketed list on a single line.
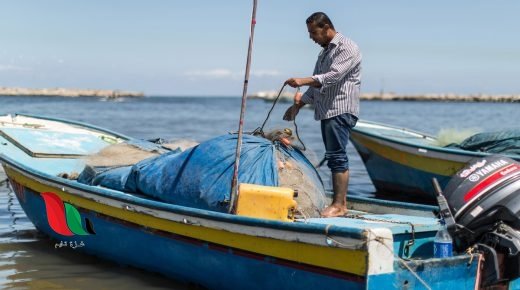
[(334, 211)]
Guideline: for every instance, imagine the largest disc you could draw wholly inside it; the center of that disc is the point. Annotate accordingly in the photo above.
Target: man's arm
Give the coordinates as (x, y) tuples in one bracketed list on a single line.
[(298, 82), (344, 60), (293, 110)]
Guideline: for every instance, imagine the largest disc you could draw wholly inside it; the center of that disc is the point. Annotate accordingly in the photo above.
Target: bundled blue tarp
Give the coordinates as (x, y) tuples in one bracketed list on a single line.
[(501, 142), (201, 176)]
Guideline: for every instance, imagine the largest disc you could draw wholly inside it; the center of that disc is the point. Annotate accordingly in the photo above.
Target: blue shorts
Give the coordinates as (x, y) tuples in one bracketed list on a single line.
[(335, 132)]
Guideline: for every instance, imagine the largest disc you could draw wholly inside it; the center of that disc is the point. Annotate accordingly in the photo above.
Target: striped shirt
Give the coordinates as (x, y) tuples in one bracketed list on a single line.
[(338, 70)]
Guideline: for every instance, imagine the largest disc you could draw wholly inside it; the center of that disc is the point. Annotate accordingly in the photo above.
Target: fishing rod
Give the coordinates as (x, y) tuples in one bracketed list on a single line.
[(234, 182)]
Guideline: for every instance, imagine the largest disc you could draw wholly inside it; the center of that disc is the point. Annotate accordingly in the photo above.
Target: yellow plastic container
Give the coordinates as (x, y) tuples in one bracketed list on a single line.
[(268, 202)]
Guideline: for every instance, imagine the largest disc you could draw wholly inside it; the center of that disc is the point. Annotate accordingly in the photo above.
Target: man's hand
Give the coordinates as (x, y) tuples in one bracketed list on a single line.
[(291, 112), (294, 82), (298, 82)]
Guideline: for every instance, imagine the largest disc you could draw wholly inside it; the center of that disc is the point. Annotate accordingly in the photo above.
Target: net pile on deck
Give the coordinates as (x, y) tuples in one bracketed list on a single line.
[(500, 142), (200, 176)]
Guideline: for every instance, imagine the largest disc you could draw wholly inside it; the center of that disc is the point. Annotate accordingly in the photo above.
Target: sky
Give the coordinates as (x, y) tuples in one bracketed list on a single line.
[(199, 48)]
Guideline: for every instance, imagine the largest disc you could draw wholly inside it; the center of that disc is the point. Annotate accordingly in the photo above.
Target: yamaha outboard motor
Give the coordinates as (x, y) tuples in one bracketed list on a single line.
[(481, 207)]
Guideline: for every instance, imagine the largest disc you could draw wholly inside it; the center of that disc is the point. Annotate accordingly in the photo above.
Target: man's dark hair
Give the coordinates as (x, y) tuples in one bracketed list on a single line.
[(320, 19)]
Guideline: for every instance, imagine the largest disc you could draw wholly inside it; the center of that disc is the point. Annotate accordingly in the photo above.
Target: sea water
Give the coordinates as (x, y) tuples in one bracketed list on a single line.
[(28, 260)]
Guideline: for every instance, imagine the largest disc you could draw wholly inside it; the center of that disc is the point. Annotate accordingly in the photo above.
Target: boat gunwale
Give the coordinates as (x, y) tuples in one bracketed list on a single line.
[(76, 123), (120, 196), (130, 199), (437, 149)]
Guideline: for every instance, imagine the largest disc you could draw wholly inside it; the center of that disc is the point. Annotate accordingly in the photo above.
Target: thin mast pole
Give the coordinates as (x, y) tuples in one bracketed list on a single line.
[(234, 182)]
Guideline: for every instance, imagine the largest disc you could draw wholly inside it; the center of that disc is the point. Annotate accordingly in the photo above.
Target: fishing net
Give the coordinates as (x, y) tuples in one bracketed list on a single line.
[(311, 196), (295, 174), (288, 137), (129, 153), (447, 136), (499, 142), (200, 176)]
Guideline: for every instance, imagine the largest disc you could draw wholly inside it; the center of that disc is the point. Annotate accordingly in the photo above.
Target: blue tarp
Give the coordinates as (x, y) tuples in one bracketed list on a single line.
[(201, 176)]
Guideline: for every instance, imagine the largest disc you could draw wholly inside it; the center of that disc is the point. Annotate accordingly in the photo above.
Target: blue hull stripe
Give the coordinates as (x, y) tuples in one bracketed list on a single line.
[(39, 219), (234, 251)]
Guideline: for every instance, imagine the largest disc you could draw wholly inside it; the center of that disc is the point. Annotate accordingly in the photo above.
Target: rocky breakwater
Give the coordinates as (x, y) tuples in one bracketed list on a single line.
[(62, 92), (449, 97), (505, 98)]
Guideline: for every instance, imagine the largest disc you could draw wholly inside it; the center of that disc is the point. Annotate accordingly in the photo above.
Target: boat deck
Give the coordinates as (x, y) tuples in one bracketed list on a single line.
[(375, 244), (398, 224), (55, 148)]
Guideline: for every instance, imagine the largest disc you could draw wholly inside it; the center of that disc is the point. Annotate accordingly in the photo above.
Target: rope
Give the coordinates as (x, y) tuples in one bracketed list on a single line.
[(296, 130), (403, 262), (381, 241), (470, 251), (320, 164), (410, 242), (260, 130)]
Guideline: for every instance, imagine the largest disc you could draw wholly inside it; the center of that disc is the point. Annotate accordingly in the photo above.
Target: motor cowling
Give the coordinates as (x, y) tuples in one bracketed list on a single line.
[(482, 209)]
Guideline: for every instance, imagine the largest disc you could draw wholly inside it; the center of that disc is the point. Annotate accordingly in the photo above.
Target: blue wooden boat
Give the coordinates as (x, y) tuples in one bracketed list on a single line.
[(379, 245), (404, 161)]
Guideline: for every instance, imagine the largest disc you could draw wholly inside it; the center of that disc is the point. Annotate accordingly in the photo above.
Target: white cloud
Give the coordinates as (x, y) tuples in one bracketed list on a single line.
[(222, 73), (9, 67), (265, 73), (213, 74)]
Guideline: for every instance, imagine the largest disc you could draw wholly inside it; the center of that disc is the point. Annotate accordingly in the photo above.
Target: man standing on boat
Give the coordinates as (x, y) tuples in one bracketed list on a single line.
[(334, 91)]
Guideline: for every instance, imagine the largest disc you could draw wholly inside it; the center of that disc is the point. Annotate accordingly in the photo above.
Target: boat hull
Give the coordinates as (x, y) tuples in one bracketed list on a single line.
[(185, 257), (220, 250), (188, 260), (396, 165), (190, 253), (394, 169)]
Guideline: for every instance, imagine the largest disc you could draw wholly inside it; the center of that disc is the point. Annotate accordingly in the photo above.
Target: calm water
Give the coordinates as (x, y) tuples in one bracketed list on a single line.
[(28, 260)]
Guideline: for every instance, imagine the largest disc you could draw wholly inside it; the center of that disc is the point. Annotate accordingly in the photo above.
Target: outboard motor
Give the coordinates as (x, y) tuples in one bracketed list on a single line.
[(481, 207)]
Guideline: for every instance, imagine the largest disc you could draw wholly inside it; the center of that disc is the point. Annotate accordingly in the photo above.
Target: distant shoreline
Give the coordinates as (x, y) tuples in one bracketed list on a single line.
[(63, 92), (499, 98)]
